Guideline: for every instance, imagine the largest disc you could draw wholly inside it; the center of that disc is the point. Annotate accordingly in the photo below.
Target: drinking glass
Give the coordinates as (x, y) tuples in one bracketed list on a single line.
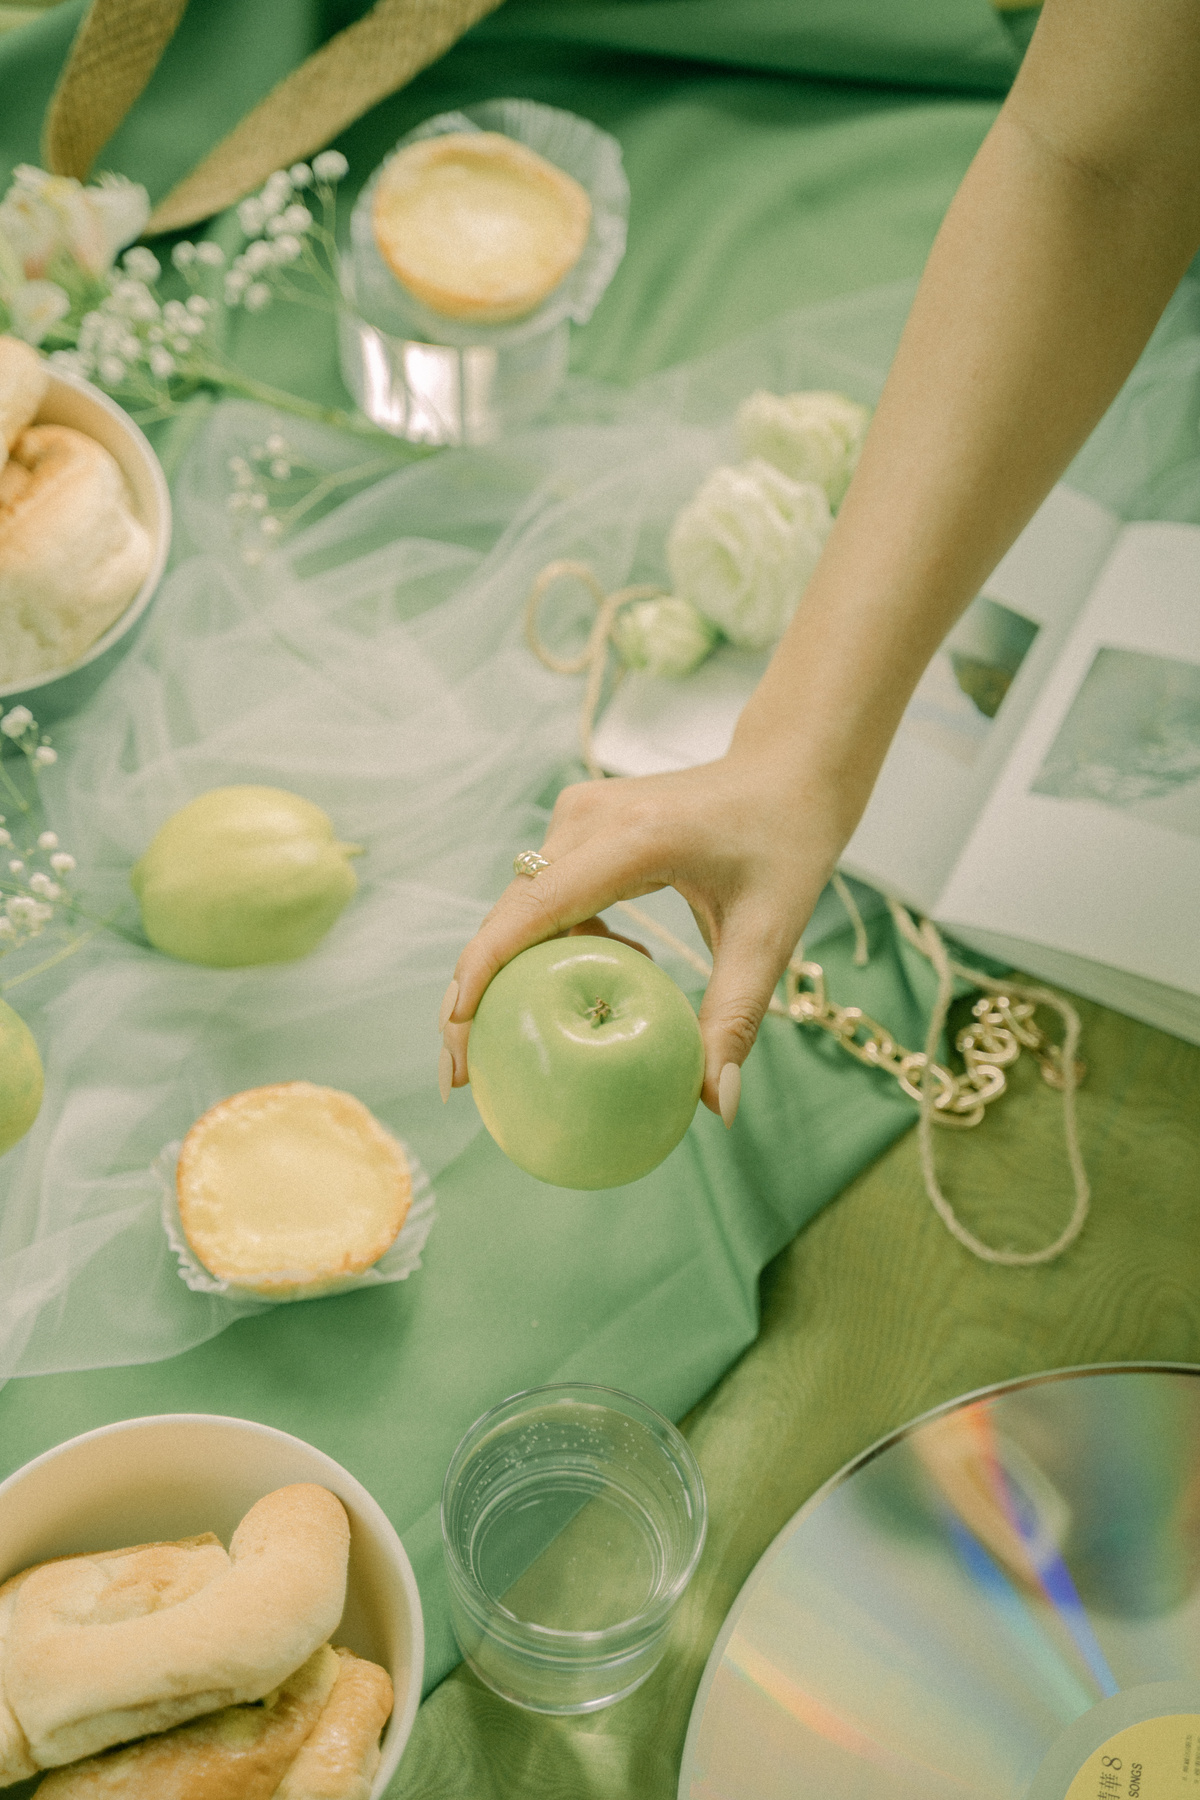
[(572, 1520)]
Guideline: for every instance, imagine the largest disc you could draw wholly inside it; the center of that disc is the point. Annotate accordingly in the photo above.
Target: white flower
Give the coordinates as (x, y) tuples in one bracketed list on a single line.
[(251, 216), (35, 307), (667, 636), (5, 836), (62, 862), (123, 208), (162, 363), (112, 370), (210, 254), (48, 840), (236, 283), (280, 469), (286, 248), (15, 866), (258, 255), (300, 175), (257, 297), (71, 362), (15, 721), (199, 306), (276, 444), (297, 218), (44, 215), (142, 263), (43, 755), (183, 255), (43, 886), (330, 165), (270, 526), (275, 193), (813, 436), (744, 546)]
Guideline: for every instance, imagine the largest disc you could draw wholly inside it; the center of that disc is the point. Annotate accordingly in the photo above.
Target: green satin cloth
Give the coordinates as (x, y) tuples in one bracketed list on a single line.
[(756, 189)]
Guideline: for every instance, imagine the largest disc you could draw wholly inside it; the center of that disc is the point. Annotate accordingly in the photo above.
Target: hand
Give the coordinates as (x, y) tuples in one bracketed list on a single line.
[(749, 853)]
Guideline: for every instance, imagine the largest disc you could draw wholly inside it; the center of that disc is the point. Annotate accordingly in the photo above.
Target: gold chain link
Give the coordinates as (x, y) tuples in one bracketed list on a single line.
[(1003, 1028)]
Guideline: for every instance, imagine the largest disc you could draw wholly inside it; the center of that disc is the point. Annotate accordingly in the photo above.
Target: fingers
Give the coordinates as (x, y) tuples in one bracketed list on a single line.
[(597, 928), (571, 891), (746, 967)]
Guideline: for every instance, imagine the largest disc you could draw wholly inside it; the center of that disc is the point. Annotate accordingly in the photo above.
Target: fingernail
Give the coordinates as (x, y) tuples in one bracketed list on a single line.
[(449, 1001), (729, 1093), (445, 1073)]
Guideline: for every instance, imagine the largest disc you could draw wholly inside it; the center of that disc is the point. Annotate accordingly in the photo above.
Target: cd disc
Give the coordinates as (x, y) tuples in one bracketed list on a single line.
[(999, 1602)]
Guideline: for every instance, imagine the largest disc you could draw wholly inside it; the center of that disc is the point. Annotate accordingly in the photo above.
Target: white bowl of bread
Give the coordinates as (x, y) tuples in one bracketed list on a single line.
[(141, 1660), (85, 527)]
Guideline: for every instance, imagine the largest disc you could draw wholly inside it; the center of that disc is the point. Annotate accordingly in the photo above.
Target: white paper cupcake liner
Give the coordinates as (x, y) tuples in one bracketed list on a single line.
[(397, 1263)]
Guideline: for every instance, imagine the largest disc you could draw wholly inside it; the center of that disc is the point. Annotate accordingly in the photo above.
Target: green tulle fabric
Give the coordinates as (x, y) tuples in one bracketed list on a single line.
[(374, 662)]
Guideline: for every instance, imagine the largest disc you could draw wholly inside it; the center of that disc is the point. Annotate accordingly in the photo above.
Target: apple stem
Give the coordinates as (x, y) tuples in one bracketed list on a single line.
[(598, 1013)]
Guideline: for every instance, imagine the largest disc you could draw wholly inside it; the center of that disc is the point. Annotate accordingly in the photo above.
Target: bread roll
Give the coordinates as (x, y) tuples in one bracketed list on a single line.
[(478, 226), (98, 1589), (239, 1753), (24, 379), (339, 1759), (76, 1687), (289, 1190), (72, 554)]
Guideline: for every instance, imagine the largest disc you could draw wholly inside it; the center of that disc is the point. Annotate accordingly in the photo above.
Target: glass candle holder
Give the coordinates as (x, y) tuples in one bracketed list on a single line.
[(572, 1520)]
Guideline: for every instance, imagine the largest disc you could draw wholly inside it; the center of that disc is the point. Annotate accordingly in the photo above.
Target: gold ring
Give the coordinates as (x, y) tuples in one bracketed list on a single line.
[(530, 862)]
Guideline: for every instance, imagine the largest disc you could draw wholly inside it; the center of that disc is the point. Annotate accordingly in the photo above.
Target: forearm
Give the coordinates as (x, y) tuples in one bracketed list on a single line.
[(1049, 273)]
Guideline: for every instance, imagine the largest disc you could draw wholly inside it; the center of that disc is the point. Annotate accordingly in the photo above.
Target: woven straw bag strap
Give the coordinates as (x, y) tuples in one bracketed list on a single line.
[(117, 49)]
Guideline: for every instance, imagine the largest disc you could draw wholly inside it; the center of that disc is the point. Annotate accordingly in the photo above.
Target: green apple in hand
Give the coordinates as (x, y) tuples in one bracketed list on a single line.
[(586, 1062)]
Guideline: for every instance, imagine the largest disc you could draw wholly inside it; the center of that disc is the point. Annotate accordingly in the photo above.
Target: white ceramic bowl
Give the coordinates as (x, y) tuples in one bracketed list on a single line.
[(176, 1474), (75, 402)]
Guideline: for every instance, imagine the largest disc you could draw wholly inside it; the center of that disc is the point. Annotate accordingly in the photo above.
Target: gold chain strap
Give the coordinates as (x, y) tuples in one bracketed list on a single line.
[(1004, 1027)]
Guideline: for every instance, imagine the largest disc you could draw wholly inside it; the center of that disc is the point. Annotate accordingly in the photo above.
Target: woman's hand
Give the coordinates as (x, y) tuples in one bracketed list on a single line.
[(749, 856)]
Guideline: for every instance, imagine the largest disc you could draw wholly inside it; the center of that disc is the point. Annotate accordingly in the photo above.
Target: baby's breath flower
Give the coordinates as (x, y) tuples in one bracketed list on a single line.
[(43, 886), (257, 297), (236, 283), (280, 469), (71, 362), (15, 866), (48, 841), (5, 836), (142, 263), (183, 255), (300, 175), (44, 755), (112, 369), (199, 306), (271, 526), (210, 254), (330, 165), (297, 218), (257, 502), (276, 445), (252, 215), (287, 248), (253, 556), (62, 862), (257, 255), (16, 720), (162, 363)]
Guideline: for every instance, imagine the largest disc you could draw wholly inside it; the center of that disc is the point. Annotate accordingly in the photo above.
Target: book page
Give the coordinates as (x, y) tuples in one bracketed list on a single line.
[(1090, 841), (957, 730), (974, 697)]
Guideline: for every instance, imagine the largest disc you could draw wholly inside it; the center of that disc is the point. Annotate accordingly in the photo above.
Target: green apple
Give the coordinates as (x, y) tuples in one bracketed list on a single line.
[(243, 875), (20, 1078), (586, 1062)]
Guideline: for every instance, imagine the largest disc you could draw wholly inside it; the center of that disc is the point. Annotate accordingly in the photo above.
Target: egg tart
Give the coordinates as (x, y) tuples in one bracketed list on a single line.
[(477, 226), (290, 1191)]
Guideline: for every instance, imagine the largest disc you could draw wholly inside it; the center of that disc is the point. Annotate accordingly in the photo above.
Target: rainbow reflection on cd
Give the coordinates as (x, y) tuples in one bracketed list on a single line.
[(955, 1603)]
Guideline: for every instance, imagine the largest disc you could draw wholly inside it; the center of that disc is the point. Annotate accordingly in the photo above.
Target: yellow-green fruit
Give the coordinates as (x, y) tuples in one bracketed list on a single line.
[(21, 1078), (243, 875)]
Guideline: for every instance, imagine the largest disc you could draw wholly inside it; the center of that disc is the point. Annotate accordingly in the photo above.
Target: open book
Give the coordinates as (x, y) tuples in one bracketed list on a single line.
[(1041, 799)]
